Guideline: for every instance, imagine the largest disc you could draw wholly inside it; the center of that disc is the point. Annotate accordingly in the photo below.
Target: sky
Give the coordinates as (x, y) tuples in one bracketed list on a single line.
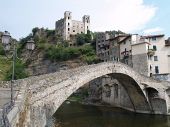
[(132, 16)]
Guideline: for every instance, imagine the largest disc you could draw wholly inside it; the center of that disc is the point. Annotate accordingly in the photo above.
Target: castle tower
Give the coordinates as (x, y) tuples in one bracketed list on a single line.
[(67, 25), (86, 21)]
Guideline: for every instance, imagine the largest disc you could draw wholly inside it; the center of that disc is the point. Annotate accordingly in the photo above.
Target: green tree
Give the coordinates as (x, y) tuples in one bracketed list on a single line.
[(88, 37), (34, 30), (81, 39), (2, 52), (20, 72)]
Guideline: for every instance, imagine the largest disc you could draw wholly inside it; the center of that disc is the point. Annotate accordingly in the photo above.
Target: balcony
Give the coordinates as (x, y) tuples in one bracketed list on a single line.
[(151, 52), (167, 43)]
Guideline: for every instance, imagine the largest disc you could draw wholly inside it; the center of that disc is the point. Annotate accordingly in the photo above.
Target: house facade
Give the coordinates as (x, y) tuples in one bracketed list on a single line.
[(149, 55), (103, 46)]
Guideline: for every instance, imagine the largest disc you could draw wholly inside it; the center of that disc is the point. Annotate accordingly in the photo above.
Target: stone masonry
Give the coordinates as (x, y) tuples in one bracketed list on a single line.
[(41, 96)]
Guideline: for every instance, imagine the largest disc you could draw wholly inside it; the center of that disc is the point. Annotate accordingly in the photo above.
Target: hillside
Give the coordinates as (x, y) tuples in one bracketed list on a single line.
[(51, 54)]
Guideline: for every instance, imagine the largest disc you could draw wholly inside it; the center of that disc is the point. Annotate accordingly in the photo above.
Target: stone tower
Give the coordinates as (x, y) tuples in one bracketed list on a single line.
[(67, 25), (68, 28), (86, 21)]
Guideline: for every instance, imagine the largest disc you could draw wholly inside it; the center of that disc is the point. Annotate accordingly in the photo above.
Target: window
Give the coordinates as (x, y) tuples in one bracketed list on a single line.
[(153, 38), (87, 27), (68, 24), (150, 57), (68, 29), (154, 47), (155, 58), (150, 74), (156, 70), (73, 30), (68, 17), (124, 42), (150, 67)]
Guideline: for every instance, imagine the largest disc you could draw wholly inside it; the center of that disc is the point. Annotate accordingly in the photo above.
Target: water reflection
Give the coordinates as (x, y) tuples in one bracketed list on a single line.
[(77, 115)]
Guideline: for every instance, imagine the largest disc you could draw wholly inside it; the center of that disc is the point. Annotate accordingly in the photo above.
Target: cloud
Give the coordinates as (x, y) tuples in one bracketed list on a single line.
[(126, 15), (153, 30)]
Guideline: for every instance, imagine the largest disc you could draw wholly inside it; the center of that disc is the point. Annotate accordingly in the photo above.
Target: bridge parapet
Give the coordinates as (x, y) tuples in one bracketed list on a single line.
[(43, 95)]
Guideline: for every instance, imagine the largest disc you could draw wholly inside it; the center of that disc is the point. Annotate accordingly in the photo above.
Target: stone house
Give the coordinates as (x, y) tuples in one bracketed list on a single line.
[(68, 28), (149, 55), (103, 46)]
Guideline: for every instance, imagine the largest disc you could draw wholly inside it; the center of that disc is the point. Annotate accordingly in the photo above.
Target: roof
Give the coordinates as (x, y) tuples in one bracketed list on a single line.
[(124, 39), (150, 36), (140, 43), (121, 35)]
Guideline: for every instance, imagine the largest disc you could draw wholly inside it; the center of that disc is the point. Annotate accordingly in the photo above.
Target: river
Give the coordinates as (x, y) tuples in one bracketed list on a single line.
[(77, 115)]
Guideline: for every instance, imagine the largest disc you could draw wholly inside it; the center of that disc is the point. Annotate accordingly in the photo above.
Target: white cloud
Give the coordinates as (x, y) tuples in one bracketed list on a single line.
[(153, 30), (125, 15)]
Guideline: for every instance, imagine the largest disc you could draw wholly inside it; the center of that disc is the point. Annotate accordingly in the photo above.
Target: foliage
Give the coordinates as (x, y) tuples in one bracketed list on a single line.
[(34, 30), (50, 32), (88, 37), (60, 53), (4, 66), (26, 39), (84, 38), (81, 39), (2, 52), (20, 72)]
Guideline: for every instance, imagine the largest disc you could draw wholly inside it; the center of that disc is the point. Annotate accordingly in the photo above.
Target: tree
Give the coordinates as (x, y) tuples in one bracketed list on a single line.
[(20, 72), (81, 39), (34, 30), (88, 37)]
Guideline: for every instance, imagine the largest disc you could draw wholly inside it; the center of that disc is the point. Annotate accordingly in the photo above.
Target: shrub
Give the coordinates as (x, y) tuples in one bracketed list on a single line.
[(20, 72), (60, 53), (2, 52)]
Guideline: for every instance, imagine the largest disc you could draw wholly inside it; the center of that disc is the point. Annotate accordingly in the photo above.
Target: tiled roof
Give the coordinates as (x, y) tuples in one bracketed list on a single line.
[(150, 36)]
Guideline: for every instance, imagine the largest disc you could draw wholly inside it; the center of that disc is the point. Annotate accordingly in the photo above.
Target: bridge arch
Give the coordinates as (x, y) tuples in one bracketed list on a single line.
[(52, 97)]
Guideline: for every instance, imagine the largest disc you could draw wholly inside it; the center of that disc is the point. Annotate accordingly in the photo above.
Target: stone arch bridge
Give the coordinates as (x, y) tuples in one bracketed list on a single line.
[(40, 96)]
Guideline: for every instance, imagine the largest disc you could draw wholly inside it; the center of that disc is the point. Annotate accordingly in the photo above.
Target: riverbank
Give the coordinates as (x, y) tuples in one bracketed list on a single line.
[(82, 101)]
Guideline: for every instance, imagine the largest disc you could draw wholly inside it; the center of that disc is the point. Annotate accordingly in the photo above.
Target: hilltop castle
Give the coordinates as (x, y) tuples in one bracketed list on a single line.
[(67, 28)]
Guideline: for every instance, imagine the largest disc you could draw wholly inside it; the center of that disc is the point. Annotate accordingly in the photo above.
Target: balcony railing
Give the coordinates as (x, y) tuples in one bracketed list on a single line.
[(151, 52)]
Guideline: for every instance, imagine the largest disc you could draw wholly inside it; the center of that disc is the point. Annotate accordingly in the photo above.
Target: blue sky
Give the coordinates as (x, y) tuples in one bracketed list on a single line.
[(132, 16)]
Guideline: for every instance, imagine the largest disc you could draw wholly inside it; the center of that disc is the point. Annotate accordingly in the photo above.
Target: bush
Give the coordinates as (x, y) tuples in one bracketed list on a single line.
[(2, 52), (84, 38), (60, 53), (19, 71)]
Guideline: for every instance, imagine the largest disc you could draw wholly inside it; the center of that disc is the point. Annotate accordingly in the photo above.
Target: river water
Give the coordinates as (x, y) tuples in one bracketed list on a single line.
[(77, 115)]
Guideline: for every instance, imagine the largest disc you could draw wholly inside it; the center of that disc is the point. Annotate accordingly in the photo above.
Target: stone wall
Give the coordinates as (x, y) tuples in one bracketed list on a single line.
[(59, 27), (114, 94), (140, 63), (48, 92), (162, 77)]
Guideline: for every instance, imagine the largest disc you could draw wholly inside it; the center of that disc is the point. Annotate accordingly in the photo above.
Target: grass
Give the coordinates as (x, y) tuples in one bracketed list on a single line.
[(5, 65)]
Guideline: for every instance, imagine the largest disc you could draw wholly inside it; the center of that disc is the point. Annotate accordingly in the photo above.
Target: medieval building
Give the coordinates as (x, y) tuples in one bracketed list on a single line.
[(67, 27)]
